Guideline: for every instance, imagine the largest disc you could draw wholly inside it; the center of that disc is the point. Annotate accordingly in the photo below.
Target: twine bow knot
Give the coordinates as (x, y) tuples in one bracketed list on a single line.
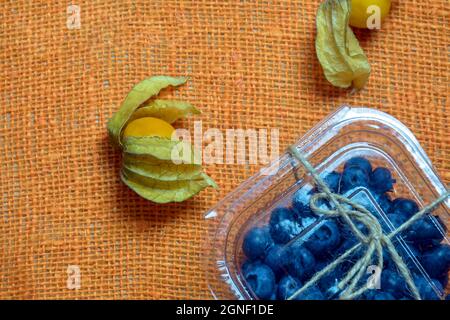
[(374, 240)]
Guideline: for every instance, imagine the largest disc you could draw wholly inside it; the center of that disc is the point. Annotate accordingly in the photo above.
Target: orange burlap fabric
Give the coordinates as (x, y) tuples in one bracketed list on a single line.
[(251, 64)]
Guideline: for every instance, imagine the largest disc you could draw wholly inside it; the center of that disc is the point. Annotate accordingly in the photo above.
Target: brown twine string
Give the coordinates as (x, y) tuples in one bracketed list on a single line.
[(375, 240)]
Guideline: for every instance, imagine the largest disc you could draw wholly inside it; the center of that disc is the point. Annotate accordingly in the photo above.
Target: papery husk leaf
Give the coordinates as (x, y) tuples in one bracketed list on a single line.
[(167, 110), (164, 191), (160, 148), (140, 93)]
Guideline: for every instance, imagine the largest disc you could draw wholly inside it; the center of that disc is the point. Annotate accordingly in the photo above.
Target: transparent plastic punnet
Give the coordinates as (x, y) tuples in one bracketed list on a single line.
[(347, 133)]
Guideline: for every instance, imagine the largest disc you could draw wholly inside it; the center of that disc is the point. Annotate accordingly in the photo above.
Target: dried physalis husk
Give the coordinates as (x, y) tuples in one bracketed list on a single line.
[(167, 110), (157, 168), (343, 61), (151, 167), (164, 191)]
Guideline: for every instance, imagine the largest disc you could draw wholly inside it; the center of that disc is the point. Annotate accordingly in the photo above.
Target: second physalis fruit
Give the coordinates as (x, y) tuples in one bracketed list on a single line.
[(362, 10)]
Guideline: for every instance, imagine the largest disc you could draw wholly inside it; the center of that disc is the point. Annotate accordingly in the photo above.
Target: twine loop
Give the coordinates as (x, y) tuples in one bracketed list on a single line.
[(374, 241)]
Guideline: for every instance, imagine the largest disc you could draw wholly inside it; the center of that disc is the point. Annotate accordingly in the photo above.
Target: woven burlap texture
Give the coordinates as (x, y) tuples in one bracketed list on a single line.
[(251, 64)]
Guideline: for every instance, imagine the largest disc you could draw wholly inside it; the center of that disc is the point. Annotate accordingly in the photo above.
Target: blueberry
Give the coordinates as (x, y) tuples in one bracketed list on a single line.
[(328, 282), (396, 221), (426, 230), (345, 245), (384, 202), (374, 294), (408, 256), (287, 286), (437, 261), (301, 262), (387, 259), (283, 225), (311, 293), (261, 280), (368, 294), (443, 280), (425, 289), (350, 260), (393, 283), (353, 177), (324, 239), (280, 214), (383, 296), (307, 221), (332, 181), (245, 265), (404, 206), (349, 240), (346, 231), (381, 180), (320, 264), (273, 297), (300, 204), (256, 243), (284, 231), (360, 162), (276, 259)]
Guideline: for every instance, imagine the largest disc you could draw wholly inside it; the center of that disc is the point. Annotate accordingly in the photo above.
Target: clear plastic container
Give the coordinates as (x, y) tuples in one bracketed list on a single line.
[(347, 133)]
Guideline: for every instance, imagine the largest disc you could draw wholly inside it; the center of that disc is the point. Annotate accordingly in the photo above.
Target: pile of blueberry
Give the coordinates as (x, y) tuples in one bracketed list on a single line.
[(277, 264)]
